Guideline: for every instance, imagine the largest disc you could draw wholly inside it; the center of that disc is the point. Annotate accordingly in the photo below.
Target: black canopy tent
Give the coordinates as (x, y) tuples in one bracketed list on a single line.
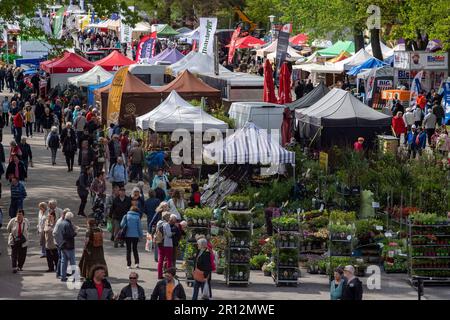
[(339, 119), (309, 99)]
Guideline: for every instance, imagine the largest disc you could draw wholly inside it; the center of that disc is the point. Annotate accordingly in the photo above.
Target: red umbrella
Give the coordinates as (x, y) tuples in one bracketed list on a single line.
[(284, 90), (299, 40), (248, 42), (269, 87)]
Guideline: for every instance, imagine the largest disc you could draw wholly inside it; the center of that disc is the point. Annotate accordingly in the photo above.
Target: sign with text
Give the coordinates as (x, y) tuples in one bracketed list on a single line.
[(115, 96), (207, 29), (419, 60)]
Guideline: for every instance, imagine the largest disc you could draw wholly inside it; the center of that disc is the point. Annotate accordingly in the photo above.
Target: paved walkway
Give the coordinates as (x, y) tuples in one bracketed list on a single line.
[(46, 181)]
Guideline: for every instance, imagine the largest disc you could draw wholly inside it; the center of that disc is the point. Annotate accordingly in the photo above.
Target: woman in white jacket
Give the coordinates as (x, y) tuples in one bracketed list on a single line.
[(18, 240), (177, 203), (165, 247)]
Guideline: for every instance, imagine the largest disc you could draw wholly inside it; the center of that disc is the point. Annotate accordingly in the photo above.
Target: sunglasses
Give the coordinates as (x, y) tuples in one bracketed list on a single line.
[(132, 278)]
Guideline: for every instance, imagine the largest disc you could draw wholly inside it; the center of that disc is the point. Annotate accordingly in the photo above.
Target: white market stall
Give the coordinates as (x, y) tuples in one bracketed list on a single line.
[(96, 75), (176, 113), (265, 115)]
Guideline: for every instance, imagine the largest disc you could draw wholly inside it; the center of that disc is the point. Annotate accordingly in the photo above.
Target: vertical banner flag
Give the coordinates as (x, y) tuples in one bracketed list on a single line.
[(125, 33), (283, 43), (232, 48), (370, 83), (207, 30), (446, 86), (146, 48), (82, 5), (58, 23), (115, 96), (416, 87)]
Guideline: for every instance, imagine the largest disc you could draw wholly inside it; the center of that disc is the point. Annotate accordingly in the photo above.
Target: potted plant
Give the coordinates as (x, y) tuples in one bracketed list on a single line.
[(268, 268)]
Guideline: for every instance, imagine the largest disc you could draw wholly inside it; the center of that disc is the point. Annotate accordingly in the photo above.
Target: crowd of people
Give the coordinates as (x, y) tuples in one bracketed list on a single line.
[(422, 125)]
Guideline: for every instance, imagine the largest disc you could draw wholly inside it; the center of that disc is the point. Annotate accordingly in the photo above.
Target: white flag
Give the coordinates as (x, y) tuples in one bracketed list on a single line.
[(370, 83), (207, 30)]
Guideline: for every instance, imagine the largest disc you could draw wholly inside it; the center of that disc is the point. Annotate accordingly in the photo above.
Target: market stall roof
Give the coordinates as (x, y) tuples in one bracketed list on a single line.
[(186, 82), (271, 47), (171, 55), (299, 40), (342, 56), (359, 58), (113, 61), (69, 63), (337, 48), (183, 30), (381, 72), (292, 55), (248, 144), (192, 35), (321, 43), (248, 42), (91, 88), (94, 76), (196, 63), (312, 97), (132, 85), (166, 31), (310, 59), (142, 27), (369, 64), (385, 50), (176, 113), (340, 108)]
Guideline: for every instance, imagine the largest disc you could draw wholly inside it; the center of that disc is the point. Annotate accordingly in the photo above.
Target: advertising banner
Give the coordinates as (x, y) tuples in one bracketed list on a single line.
[(416, 87), (146, 48), (282, 45), (416, 60), (232, 48), (125, 33), (115, 96), (58, 23), (207, 30)]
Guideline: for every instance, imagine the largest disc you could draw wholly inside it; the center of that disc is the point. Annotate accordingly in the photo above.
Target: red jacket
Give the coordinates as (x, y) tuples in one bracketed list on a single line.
[(421, 101), (18, 120), (399, 125)]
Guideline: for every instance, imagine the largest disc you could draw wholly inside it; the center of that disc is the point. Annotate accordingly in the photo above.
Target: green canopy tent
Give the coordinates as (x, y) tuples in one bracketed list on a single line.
[(337, 48), (166, 31)]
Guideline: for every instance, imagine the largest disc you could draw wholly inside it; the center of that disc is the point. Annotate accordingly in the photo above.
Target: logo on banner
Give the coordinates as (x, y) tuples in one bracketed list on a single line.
[(115, 68), (207, 30), (385, 83), (75, 70), (146, 48)]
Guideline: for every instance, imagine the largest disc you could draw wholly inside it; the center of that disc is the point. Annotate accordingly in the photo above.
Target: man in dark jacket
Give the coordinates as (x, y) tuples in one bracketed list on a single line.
[(68, 233), (14, 166), (352, 288), (160, 291), (133, 291), (97, 287), (299, 89), (119, 208), (47, 121), (35, 82), (2, 78), (27, 155)]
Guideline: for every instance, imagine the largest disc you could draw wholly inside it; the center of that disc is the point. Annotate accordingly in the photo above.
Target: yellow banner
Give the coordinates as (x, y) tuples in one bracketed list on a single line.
[(115, 96), (323, 161)]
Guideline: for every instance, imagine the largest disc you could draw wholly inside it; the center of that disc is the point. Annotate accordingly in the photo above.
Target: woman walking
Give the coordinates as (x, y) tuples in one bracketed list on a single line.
[(41, 225), (93, 253), (53, 143), (202, 269), (163, 238), (83, 187), (176, 203), (18, 240), (132, 222), (337, 284), (51, 250), (69, 145)]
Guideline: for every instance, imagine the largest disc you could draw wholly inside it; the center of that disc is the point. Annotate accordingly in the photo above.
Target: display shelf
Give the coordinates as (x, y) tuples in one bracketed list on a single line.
[(237, 252), (430, 267), (287, 248)]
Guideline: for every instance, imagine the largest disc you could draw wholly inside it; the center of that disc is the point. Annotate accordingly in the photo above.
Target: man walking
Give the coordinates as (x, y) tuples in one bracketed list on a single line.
[(352, 289), (18, 194), (136, 160), (119, 208), (68, 232)]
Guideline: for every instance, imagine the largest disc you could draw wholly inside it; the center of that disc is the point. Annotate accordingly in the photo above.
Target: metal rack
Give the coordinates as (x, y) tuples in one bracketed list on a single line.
[(238, 242), (336, 243), (287, 274), (422, 266)]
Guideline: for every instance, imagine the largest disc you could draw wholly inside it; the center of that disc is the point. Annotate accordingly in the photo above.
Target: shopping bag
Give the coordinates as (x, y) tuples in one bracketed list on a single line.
[(149, 243), (109, 226), (205, 291)]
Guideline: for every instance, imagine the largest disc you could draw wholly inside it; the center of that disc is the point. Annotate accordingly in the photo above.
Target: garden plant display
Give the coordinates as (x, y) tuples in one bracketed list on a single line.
[(286, 223), (198, 217), (256, 262), (238, 202)]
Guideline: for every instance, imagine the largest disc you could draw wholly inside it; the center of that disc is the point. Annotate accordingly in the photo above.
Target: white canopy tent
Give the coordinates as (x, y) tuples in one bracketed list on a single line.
[(142, 27), (293, 55), (196, 63), (94, 76), (385, 50), (176, 113), (264, 51)]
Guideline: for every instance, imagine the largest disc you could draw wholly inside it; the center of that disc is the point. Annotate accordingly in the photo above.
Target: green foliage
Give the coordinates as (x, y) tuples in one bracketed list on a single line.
[(365, 226), (338, 216), (256, 262), (220, 114), (199, 213)]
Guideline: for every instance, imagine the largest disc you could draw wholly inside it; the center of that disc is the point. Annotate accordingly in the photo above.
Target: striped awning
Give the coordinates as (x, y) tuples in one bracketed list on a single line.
[(249, 145)]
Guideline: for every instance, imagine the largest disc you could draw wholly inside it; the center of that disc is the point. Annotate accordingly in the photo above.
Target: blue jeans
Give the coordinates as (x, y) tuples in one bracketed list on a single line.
[(16, 204), (67, 256), (58, 265), (197, 286)]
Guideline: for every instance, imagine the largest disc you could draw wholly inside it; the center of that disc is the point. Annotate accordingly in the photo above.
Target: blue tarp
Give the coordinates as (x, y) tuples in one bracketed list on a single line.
[(34, 62), (91, 88), (369, 64), (390, 61)]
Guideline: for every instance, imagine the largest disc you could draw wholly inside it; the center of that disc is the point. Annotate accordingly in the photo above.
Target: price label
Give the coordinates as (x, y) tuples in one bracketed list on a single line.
[(349, 237), (379, 228), (388, 235), (375, 204)]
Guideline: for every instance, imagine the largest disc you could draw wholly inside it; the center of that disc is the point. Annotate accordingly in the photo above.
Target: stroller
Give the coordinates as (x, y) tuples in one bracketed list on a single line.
[(98, 210)]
